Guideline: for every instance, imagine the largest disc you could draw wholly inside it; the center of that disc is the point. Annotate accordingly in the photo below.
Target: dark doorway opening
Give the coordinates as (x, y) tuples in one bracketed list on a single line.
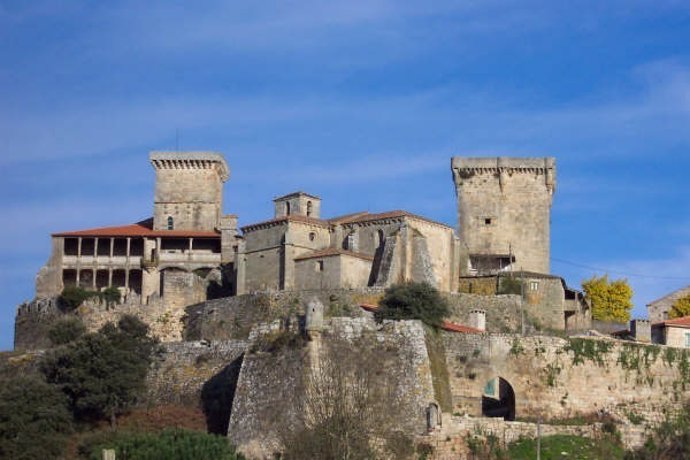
[(498, 399)]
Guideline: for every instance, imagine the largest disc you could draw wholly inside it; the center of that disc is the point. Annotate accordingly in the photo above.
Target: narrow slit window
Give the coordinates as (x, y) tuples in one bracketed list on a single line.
[(171, 223)]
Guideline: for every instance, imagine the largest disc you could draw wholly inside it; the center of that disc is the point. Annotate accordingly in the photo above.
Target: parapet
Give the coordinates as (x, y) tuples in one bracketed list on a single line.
[(496, 164), (190, 160), (503, 167)]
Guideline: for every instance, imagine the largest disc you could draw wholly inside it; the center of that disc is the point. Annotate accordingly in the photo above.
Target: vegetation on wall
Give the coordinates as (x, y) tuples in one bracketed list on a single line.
[(669, 440), (413, 301), (680, 308), (611, 300), (72, 297)]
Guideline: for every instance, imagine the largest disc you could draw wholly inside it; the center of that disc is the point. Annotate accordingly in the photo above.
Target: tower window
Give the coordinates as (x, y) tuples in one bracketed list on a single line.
[(309, 208), (487, 221), (312, 236), (287, 209), (171, 224)]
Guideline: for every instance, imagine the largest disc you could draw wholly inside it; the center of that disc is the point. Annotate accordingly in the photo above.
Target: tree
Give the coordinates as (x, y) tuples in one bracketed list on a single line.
[(66, 330), (413, 301), (680, 308), (350, 407), (34, 419), (611, 300), (103, 373)]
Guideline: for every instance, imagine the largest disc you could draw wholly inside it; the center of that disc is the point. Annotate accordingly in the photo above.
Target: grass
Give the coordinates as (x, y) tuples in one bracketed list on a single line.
[(566, 447)]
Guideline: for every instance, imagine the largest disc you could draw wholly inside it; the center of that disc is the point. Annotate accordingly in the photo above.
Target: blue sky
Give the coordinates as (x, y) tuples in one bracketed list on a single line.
[(362, 103)]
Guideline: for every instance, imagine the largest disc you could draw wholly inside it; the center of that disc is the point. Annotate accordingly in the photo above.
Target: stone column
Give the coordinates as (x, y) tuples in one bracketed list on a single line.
[(112, 244)]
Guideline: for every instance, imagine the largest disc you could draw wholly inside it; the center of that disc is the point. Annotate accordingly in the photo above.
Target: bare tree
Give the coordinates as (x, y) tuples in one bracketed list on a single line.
[(350, 406)]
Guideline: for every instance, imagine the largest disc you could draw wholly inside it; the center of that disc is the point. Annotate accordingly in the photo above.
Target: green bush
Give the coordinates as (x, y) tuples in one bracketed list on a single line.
[(166, 445), (103, 373), (509, 285), (72, 297), (34, 419), (413, 301), (66, 330), (110, 295)]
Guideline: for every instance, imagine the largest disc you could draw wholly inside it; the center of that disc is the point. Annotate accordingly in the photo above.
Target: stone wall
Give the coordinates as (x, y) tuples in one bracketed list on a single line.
[(677, 337), (504, 207), (184, 369), (555, 378), (450, 441), (270, 400)]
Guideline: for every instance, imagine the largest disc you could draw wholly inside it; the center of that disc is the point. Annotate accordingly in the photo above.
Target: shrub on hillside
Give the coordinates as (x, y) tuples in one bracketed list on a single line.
[(413, 301), (103, 373), (66, 330), (34, 419), (165, 445)]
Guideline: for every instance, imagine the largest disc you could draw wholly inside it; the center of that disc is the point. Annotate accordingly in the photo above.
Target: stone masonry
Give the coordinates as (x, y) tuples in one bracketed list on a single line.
[(504, 209)]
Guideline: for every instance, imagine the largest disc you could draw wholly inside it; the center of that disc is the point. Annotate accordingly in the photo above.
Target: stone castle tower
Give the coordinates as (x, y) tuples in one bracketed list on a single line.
[(504, 211), (189, 190)]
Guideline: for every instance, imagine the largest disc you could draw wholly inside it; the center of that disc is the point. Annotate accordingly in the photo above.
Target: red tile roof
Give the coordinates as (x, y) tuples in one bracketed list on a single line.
[(285, 219), (329, 252), (366, 217), (446, 326), (140, 229), (683, 322)]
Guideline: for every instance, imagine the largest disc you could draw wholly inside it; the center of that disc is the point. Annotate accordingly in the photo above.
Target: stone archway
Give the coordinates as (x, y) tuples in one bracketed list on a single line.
[(498, 399)]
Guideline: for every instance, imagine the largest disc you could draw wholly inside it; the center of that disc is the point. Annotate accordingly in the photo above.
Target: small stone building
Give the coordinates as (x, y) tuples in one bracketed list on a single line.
[(672, 332), (658, 309), (546, 298)]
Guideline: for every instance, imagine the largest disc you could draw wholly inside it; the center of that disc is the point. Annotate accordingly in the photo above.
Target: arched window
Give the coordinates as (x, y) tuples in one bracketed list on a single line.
[(287, 209), (312, 236), (171, 225), (308, 208)]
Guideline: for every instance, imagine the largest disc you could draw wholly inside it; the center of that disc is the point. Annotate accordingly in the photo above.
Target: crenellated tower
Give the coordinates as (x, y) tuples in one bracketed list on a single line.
[(189, 190), (504, 211)]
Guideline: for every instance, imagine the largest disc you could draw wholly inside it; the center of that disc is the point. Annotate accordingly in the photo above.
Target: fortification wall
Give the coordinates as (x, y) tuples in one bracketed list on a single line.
[(189, 372), (270, 397), (554, 378)]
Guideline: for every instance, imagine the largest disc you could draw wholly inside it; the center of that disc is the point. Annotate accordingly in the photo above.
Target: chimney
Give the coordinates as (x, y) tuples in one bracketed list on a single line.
[(478, 319), (641, 329)]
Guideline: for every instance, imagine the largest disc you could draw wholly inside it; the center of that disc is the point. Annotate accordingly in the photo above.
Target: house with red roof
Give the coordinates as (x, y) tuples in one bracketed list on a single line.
[(672, 332)]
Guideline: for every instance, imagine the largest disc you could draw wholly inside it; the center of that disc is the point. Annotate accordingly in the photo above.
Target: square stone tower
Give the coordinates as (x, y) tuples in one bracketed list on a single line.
[(298, 204), (504, 211), (189, 190)]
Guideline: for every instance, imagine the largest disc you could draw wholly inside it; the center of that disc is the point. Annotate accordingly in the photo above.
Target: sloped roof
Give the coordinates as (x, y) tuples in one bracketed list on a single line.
[(367, 217), (329, 252), (297, 193), (672, 295), (683, 322), (285, 219), (139, 229)]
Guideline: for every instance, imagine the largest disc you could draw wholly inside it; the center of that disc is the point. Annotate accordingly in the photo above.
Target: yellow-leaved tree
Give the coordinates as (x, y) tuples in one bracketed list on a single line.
[(611, 300), (680, 308)]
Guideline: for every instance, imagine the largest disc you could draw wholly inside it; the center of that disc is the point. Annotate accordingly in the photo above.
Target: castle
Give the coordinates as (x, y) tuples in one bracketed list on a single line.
[(189, 251), (222, 297)]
